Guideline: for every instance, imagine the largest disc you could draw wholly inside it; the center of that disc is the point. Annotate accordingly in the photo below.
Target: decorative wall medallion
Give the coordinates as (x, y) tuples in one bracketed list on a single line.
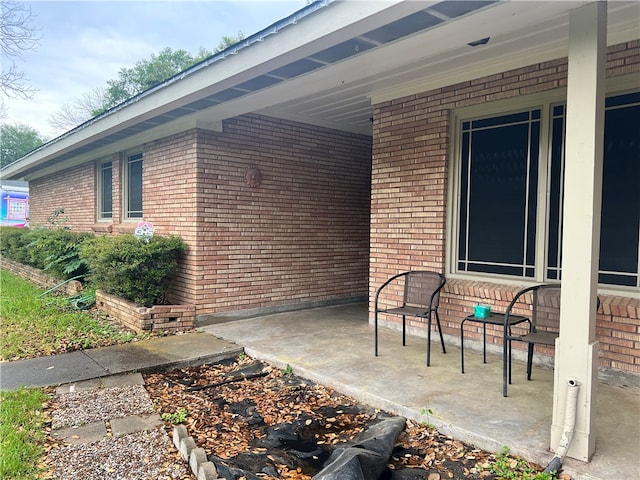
[(253, 177)]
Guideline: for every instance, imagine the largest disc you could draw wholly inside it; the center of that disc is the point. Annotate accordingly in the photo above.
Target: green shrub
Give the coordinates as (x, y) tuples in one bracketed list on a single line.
[(13, 243), (57, 251), (135, 269)]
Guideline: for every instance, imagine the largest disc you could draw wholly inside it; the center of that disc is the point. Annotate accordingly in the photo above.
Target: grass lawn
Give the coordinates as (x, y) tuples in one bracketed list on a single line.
[(34, 326), (21, 433)]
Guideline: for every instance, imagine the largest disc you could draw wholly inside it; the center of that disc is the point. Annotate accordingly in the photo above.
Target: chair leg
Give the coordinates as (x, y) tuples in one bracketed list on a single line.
[(510, 348), (444, 350), (505, 352), (529, 360), (375, 330), (429, 340)]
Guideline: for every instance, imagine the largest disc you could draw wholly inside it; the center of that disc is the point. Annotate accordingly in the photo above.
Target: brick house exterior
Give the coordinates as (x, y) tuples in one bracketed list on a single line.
[(299, 238), (317, 158)]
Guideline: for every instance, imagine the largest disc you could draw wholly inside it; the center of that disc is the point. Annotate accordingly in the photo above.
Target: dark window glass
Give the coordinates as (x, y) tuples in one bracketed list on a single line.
[(106, 190), (620, 218), (498, 191), (134, 186), (620, 221)]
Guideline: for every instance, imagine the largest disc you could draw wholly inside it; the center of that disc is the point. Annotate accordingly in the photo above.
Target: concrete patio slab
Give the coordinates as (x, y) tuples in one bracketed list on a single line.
[(334, 346)]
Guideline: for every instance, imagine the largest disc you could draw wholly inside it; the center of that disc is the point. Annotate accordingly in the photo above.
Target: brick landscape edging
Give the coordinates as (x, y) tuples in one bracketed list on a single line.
[(194, 456), (39, 277), (158, 318)]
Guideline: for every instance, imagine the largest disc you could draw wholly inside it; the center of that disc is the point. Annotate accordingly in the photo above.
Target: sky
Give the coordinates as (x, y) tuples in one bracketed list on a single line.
[(85, 43)]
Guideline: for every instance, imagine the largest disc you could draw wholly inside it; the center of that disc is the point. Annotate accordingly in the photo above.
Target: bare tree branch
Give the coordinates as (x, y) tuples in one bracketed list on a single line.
[(17, 35), (72, 114)]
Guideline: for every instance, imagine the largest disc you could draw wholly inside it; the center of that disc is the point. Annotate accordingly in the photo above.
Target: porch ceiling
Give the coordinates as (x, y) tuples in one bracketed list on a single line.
[(329, 64)]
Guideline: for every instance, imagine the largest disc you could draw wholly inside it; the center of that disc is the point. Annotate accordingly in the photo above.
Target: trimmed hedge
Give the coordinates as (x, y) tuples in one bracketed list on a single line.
[(55, 250), (138, 270)]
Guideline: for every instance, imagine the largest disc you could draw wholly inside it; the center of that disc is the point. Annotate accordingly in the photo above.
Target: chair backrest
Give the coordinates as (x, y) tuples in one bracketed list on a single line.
[(422, 288), (546, 308)]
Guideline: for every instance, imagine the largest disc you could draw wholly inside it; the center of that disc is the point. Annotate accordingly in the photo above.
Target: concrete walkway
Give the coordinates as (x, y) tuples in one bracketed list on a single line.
[(334, 346), (160, 353)]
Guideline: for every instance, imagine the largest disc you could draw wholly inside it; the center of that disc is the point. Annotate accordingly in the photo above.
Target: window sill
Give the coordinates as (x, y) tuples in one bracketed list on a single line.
[(102, 227)]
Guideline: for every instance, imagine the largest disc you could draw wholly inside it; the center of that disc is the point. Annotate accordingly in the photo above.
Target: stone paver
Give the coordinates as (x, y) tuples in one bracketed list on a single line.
[(134, 423), (89, 433)]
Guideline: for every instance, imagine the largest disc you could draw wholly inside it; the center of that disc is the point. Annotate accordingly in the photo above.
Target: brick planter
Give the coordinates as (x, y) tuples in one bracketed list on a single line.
[(158, 318), (39, 277)]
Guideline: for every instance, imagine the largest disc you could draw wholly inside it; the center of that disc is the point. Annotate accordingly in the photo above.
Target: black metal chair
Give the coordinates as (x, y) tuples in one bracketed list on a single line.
[(544, 325), (420, 299)]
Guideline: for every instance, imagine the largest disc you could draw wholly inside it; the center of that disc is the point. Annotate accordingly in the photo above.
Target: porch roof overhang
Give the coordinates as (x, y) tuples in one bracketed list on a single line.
[(328, 64)]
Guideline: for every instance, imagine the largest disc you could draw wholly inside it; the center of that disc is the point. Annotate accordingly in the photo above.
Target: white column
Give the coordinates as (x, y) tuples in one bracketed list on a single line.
[(576, 354)]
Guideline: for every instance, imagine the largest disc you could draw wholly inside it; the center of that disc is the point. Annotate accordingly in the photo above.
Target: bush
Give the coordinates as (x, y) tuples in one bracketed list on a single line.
[(13, 243), (57, 251), (133, 268)]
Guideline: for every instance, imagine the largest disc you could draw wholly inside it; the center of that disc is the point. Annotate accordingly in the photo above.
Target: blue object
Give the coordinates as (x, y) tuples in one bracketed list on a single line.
[(481, 311)]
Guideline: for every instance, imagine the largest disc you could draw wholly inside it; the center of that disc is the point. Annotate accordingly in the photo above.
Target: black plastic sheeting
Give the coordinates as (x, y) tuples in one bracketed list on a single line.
[(367, 458)]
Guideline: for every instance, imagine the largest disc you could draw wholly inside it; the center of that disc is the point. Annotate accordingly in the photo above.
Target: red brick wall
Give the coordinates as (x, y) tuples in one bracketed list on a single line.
[(52, 192), (170, 202), (302, 235), (409, 195)]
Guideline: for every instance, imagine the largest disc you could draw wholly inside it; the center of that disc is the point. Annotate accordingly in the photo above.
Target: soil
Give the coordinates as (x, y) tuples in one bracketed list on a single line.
[(258, 422)]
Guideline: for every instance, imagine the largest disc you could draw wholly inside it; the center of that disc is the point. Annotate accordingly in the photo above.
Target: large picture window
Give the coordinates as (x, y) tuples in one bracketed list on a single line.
[(133, 186), (508, 215), (620, 219), (105, 190)]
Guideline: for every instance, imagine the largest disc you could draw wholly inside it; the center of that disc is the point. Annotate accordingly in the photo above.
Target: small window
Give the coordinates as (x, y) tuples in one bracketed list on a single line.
[(105, 190), (133, 186), (498, 194)]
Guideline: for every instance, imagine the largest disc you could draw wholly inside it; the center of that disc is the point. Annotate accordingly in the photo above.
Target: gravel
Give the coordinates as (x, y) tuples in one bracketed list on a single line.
[(137, 456), (80, 408), (142, 455)]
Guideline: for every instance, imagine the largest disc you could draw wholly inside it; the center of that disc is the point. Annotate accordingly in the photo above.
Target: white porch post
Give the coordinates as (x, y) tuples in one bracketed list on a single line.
[(576, 354)]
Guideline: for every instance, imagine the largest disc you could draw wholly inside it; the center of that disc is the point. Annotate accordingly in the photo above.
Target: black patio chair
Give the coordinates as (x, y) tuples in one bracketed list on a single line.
[(544, 325), (420, 299)]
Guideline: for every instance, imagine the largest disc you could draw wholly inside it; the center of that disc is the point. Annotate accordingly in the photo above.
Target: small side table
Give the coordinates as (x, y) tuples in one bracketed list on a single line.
[(494, 318)]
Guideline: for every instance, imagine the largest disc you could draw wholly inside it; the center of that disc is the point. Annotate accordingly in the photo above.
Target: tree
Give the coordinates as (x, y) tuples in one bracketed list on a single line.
[(132, 81), (17, 140), (146, 74), (17, 34), (80, 110)]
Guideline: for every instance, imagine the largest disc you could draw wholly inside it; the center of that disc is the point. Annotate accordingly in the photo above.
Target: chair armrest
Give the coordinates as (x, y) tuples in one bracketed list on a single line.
[(507, 313), (390, 280)]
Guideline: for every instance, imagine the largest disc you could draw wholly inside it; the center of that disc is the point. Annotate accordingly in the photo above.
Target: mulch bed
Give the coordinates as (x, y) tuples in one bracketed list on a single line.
[(258, 422)]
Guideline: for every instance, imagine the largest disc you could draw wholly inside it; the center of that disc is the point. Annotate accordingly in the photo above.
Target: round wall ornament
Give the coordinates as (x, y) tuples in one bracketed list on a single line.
[(253, 176)]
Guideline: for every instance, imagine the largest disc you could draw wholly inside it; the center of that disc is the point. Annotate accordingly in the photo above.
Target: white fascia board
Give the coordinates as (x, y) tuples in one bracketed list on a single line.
[(132, 142)]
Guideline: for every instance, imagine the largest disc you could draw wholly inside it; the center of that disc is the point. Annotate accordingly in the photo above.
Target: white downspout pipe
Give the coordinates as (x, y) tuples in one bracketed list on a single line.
[(569, 424)]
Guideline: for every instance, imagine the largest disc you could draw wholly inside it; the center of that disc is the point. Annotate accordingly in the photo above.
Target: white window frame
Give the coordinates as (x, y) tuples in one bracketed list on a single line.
[(129, 158)]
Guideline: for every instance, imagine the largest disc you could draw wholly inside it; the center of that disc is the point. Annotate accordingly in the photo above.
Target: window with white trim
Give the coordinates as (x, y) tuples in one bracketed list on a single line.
[(105, 190), (133, 186), (502, 174)]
